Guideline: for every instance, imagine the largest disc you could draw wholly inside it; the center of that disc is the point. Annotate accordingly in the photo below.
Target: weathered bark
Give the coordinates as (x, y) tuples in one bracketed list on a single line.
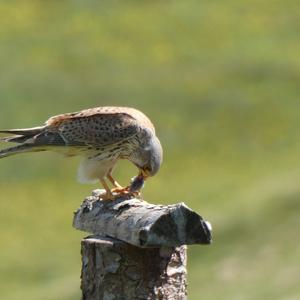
[(114, 270), (142, 224)]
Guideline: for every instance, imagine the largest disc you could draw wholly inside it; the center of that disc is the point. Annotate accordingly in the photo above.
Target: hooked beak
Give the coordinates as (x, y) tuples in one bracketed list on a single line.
[(144, 173)]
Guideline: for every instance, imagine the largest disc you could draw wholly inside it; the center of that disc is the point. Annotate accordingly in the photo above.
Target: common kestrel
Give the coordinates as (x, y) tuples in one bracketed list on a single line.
[(102, 135)]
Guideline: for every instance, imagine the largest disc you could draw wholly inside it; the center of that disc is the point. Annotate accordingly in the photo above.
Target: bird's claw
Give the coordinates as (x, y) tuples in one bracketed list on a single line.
[(126, 191), (120, 190)]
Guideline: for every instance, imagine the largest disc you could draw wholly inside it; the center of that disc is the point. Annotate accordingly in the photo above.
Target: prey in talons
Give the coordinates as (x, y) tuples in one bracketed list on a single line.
[(137, 183)]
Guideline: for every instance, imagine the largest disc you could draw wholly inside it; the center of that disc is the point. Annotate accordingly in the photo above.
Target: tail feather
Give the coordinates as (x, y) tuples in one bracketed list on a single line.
[(26, 131), (14, 139), (21, 135), (23, 148), (37, 136), (34, 140)]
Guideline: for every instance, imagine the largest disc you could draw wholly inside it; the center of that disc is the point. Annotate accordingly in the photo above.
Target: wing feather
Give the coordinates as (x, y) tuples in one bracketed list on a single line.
[(97, 130), (100, 126), (132, 113)]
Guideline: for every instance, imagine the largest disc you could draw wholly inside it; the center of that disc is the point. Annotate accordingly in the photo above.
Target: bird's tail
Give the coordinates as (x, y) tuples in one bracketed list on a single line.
[(25, 131), (19, 149), (21, 136)]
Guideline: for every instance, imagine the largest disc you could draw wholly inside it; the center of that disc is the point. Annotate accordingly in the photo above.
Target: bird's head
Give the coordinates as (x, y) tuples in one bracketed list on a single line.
[(148, 158), (152, 155)]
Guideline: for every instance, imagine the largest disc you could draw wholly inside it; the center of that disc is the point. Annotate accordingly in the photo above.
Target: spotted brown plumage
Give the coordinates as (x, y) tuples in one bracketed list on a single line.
[(102, 135)]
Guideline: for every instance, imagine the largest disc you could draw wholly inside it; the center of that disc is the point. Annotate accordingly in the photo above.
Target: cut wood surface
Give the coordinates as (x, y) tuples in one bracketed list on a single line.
[(142, 224)]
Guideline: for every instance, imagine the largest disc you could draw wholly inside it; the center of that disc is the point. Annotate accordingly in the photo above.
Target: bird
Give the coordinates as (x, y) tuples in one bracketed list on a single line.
[(101, 136)]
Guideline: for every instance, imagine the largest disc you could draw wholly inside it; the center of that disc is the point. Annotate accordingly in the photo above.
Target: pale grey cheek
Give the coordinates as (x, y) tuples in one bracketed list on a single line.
[(140, 158)]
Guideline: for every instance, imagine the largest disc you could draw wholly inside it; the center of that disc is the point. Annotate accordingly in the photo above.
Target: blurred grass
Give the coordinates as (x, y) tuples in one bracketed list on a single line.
[(221, 82)]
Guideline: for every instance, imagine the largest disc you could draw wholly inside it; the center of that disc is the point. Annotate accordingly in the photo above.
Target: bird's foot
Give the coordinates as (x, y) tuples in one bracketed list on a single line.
[(120, 190), (126, 191), (116, 193)]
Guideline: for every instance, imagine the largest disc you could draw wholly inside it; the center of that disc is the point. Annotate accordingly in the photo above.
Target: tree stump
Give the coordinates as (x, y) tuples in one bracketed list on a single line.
[(137, 250), (115, 270)]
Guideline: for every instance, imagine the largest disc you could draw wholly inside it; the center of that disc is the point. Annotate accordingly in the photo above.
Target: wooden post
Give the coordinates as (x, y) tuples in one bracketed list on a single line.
[(138, 249), (115, 270)]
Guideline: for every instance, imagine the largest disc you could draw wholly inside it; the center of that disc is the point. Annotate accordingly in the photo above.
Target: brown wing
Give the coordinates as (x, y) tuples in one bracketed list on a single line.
[(135, 114), (95, 129), (96, 126)]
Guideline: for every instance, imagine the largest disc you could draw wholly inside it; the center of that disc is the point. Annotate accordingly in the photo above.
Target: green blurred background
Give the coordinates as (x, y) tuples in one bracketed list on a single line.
[(220, 79)]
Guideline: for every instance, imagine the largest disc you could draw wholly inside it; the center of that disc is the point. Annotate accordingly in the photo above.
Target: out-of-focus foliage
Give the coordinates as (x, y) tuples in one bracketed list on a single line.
[(220, 79)]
